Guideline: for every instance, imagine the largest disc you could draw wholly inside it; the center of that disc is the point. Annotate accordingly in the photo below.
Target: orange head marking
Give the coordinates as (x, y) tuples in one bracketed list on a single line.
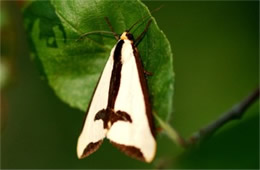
[(127, 36)]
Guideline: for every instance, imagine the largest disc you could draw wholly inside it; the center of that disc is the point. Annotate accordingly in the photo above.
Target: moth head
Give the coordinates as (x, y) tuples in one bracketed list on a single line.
[(127, 36)]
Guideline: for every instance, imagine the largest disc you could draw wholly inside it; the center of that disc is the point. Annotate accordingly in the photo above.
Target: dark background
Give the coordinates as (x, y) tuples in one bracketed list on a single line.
[(216, 62)]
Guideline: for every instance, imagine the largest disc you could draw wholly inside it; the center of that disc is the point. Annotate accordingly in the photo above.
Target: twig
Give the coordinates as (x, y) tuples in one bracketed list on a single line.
[(236, 112)]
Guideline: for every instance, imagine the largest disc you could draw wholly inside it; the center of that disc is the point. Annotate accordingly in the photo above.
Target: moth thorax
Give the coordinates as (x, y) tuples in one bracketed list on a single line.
[(127, 51)]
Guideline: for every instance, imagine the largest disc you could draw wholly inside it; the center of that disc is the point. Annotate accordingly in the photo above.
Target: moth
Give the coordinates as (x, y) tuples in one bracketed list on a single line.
[(120, 109)]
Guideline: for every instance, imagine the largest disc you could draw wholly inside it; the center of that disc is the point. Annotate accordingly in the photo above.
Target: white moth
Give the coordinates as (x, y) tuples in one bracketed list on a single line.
[(120, 109)]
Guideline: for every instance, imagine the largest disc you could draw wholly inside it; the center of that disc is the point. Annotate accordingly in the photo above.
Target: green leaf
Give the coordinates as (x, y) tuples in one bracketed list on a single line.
[(73, 68)]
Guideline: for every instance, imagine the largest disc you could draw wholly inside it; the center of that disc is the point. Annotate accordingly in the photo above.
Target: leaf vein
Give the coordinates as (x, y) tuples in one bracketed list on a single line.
[(69, 23)]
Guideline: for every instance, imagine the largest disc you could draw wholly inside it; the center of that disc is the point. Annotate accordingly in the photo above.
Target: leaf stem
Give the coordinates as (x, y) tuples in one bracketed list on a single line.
[(170, 132)]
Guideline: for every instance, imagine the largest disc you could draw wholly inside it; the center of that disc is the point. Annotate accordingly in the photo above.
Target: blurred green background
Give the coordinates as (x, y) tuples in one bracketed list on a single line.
[(216, 62)]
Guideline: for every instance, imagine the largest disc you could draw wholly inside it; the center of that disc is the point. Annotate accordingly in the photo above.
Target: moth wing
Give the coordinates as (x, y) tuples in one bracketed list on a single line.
[(135, 138), (93, 131)]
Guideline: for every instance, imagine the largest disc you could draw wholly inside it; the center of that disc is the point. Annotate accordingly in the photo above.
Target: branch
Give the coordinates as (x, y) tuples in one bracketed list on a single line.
[(236, 112)]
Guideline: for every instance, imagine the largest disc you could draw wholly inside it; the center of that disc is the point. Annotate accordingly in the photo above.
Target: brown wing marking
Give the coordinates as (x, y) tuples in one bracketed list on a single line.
[(130, 151), (108, 115), (92, 147), (145, 90)]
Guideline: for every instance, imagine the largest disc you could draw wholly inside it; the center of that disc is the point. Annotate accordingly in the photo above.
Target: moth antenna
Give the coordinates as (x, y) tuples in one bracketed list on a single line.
[(140, 37), (111, 28), (147, 16), (94, 32)]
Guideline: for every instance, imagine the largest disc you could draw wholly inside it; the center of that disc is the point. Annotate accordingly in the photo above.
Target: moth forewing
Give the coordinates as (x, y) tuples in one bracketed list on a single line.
[(93, 131), (137, 135)]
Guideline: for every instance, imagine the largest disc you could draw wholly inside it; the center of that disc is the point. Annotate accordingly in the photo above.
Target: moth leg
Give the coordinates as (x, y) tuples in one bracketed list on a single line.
[(147, 73), (159, 130), (111, 28), (141, 36)]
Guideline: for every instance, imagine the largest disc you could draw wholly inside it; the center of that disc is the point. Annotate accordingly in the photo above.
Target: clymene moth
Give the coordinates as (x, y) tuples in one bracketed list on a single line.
[(120, 109)]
